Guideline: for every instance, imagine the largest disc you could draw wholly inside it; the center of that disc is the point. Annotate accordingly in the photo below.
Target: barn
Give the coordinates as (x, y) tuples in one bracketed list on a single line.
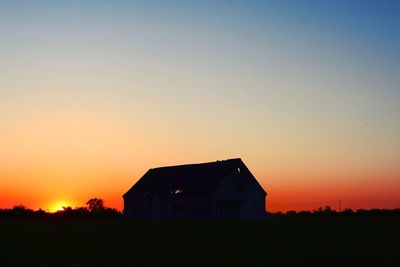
[(215, 190)]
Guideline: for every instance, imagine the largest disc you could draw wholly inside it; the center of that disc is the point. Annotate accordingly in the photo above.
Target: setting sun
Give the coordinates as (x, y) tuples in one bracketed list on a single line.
[(58, 206)]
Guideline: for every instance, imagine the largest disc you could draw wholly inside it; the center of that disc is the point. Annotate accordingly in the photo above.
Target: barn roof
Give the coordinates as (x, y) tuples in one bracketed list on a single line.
[(190, 179)]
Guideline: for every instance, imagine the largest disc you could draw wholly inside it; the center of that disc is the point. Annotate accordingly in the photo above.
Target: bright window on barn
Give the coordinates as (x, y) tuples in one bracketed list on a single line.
[(238, 170), (177, 191)]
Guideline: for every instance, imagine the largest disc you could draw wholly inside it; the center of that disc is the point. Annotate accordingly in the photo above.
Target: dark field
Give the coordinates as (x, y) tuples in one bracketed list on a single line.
[(367, 241)]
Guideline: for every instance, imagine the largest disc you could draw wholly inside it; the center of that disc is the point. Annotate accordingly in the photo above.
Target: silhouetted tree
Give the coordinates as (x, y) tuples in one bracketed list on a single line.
[(95, 205)]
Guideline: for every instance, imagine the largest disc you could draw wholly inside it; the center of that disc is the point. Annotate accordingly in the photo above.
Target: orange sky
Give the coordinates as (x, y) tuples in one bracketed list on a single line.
[(61, 156), (65, 157)]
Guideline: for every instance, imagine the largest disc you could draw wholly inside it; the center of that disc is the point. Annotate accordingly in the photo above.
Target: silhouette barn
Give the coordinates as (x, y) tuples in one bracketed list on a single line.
[(215, 190)]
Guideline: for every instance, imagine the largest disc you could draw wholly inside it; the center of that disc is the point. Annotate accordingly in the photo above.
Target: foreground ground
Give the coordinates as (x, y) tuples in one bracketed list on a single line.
[(367, 241)]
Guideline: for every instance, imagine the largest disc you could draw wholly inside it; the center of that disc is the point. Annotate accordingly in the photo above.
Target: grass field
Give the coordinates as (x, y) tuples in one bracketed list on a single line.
[(367, 241)]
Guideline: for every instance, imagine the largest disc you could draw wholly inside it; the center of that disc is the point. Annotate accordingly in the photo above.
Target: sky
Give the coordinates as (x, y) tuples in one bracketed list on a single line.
[(94, 93)]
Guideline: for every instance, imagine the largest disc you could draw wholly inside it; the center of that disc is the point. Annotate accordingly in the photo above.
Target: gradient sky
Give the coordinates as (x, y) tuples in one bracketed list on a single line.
[(94, 93)]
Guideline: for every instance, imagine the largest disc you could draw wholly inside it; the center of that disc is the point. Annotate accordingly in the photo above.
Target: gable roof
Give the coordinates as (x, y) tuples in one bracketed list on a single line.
[(192, 179)]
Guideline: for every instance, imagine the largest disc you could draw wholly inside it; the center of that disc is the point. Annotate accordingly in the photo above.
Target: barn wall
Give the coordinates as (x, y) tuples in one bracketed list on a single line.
[(171, 207), (239, 196)]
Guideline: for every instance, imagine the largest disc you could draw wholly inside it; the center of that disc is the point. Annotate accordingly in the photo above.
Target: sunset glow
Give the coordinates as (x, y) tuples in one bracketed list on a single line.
[(93, 95), (59, 206)]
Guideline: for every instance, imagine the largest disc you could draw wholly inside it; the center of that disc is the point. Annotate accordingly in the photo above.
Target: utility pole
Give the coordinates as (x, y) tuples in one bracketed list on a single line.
[(340, 205)]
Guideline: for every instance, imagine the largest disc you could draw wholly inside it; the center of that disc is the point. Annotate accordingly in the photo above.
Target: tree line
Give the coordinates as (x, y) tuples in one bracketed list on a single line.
[(95, 209), (329, 212)]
